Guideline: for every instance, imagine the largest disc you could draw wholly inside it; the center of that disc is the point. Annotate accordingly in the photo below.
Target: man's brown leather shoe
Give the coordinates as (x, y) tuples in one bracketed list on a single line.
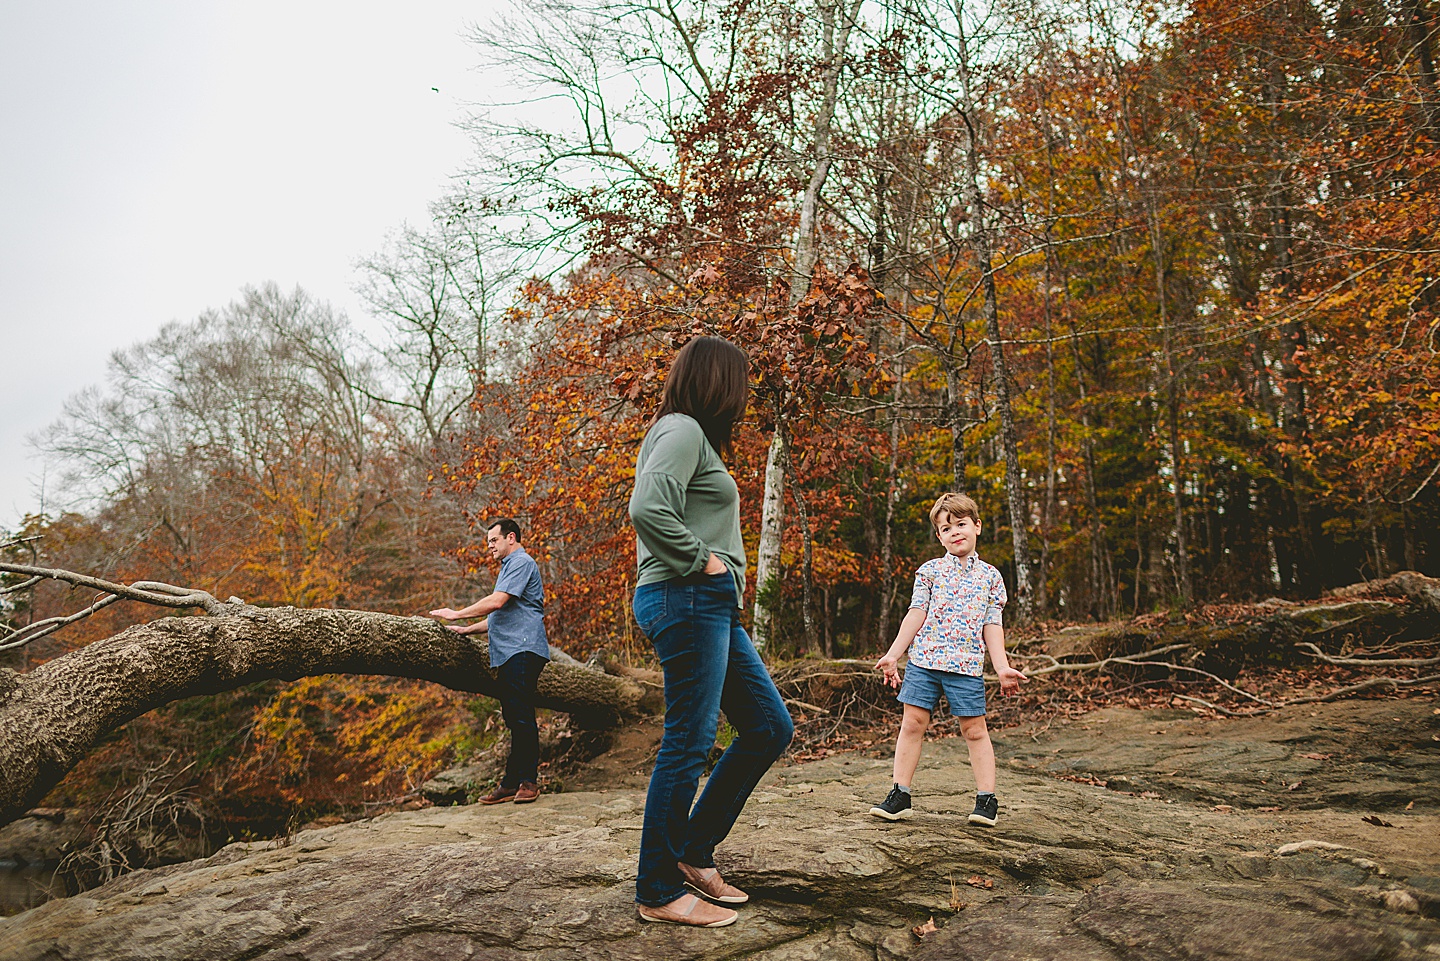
[(500, 795), (526, 792), (708, 883), (697, 913)]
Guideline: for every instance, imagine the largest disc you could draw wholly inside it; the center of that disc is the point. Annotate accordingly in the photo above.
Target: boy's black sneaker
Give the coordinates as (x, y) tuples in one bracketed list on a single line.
[(895, 806), (985, 810)]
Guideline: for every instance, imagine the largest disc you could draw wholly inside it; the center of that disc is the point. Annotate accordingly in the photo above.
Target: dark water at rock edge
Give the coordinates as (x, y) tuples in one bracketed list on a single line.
[(23, 886)]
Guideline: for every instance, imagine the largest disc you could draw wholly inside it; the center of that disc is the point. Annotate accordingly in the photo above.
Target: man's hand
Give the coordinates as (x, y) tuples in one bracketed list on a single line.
[(1010, 680), (446, 614), (715, 565), (477, 628), (889, 666)]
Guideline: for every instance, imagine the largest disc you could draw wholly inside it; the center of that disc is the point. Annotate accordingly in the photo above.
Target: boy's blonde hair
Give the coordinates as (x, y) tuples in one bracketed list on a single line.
[(957, 506)]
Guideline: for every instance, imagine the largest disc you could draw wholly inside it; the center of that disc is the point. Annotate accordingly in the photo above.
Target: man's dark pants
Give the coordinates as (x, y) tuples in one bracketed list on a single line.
[(517, 706)]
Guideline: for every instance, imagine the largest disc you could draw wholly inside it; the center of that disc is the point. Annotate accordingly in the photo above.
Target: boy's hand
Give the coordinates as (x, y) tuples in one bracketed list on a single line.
[(446, 614), (889, 666), (1010, 680)]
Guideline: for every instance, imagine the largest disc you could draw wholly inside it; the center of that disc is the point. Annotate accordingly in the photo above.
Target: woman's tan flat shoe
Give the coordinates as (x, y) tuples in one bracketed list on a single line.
[(698, 913), (708, 883)]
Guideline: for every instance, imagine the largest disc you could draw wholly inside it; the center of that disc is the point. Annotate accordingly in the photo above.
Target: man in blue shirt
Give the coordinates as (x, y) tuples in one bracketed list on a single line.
[(513, 615)]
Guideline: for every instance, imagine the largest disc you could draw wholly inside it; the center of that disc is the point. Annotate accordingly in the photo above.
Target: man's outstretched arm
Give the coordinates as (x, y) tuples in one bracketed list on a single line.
[(486, 605)]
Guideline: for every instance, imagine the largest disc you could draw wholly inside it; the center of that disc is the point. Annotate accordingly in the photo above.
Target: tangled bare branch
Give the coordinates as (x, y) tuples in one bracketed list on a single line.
[(123, 830), (157, 593), (1315, 652), (1145, 659)]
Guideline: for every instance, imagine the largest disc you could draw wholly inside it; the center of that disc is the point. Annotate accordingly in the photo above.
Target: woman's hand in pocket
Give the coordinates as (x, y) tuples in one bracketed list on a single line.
[(715, 565)]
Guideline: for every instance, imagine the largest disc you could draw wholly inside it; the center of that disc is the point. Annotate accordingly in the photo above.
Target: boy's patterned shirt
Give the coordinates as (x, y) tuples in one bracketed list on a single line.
[(959, 597)]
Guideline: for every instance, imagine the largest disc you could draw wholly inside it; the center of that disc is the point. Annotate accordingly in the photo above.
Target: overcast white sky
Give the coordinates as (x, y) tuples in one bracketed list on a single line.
[(155, 157)]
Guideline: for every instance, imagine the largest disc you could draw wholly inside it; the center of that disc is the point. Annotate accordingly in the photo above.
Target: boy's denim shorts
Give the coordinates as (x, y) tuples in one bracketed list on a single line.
[(923, 687)]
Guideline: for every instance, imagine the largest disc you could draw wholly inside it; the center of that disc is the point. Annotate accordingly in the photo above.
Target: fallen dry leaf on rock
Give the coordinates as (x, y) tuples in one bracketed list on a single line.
[(1223, 808), (1372, 819), (976, 881), (920, 930)]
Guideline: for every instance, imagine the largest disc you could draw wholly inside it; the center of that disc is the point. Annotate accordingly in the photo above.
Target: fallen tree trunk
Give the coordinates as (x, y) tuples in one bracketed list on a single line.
[(1363, 625), (1419, 589), (52, 716)]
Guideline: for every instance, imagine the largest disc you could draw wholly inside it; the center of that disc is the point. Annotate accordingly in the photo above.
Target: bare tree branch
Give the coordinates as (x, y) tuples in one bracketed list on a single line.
[(39, 629), (1366, 685), (148, 592), (1315, 652)]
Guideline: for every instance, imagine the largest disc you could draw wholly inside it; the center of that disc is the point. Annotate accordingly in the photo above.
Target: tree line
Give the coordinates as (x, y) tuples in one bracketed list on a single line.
[(1155, 283)]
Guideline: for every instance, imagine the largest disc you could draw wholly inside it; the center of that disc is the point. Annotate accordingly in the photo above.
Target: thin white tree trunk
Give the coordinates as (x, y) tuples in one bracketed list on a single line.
[(772, 517), (767, 556)]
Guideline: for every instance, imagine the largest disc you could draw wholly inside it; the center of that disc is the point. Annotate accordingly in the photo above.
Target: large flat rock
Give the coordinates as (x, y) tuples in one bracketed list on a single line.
[(1173, 859)]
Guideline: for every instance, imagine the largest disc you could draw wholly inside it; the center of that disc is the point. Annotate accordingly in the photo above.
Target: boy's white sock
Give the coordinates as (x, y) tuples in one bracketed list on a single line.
[(904, 787)]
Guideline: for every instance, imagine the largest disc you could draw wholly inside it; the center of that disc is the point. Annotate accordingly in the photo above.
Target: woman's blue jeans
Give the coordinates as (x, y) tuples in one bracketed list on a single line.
[(710, 665)]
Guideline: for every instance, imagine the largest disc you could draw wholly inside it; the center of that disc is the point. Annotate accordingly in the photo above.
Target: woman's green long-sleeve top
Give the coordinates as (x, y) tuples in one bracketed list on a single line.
[(685, 505)]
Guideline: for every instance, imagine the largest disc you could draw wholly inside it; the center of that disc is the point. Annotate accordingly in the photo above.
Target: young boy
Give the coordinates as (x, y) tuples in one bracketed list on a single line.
[(954, 617)]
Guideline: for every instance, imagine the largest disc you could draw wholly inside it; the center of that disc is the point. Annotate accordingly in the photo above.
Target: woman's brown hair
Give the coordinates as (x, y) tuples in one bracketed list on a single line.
[(710, 381)]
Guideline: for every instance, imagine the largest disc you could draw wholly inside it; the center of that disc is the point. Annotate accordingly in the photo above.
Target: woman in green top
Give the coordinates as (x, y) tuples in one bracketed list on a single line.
[(686, 512)]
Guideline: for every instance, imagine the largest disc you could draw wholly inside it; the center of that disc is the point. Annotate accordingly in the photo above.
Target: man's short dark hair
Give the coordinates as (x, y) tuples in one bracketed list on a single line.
[(506, 525)]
